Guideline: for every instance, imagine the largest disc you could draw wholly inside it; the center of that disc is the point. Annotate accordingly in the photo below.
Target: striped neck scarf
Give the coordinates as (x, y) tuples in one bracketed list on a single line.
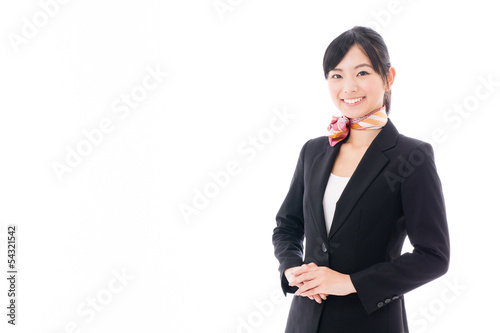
[(339, 126)]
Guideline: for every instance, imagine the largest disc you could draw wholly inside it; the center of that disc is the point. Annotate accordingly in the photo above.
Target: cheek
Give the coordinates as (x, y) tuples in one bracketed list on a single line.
[(334, 90), (374, 88)]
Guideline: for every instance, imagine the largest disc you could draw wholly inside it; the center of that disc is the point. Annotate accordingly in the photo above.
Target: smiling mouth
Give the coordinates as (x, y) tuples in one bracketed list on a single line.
[(353, 100)]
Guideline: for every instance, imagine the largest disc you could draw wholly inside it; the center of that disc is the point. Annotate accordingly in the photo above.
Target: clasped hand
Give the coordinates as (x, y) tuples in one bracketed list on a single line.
[(316, 282)]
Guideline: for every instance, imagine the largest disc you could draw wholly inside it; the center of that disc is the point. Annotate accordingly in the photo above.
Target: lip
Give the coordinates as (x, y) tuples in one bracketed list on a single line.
[(354, 104)]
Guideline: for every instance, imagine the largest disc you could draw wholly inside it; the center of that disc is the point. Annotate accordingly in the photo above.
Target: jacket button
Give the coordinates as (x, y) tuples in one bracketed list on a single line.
[(323, 247), (387, 300), (380, 304), (395, 298)]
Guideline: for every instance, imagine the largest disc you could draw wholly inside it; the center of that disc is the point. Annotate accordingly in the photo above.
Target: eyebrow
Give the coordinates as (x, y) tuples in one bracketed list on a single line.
[(356, 67)]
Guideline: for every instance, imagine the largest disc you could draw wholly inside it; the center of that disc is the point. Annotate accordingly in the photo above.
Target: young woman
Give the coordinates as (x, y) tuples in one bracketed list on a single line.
[(355, 196)]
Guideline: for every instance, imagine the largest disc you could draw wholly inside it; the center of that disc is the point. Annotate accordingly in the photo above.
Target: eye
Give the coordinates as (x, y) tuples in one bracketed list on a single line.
[(363, 73), (336, 76)]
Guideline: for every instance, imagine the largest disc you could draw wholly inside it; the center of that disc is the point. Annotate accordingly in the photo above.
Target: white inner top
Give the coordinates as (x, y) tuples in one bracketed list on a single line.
[(333, 190)]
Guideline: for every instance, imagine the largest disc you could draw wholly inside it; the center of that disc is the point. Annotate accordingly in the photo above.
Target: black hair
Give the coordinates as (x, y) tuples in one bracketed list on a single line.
[(374, 47)]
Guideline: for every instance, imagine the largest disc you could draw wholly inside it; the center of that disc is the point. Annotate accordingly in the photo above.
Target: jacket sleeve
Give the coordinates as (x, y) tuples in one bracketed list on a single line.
[(426, 225), (288, 235)]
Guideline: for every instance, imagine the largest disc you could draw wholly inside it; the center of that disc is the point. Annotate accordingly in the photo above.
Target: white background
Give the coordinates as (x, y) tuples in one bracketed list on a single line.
[(119, 209)]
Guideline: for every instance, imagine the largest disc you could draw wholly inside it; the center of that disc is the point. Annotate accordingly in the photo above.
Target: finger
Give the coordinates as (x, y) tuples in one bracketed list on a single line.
[(295, 283), (300, 284), (310, 292), (305, 289), (307, 276), (305, 268), (304, 277), (317, 298), (300, 270), (310, 297), (323, 296), (311, 267), (293, 271), (291, 277)]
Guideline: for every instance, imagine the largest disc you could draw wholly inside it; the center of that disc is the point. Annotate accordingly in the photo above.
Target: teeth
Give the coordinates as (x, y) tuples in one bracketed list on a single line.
[(352, 101)]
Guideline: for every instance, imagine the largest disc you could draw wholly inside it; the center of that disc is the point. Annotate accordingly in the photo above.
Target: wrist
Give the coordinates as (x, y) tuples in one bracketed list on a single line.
[(350, 286)]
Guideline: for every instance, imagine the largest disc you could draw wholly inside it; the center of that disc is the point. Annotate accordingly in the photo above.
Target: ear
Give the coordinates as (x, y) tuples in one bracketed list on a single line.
[(390, 78)]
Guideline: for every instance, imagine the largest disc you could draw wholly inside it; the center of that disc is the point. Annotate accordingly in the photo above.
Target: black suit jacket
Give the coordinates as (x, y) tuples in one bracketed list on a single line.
[(395, 191)]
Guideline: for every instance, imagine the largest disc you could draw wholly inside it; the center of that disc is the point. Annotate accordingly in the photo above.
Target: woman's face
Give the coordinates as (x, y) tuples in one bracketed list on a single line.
[(356, 89)]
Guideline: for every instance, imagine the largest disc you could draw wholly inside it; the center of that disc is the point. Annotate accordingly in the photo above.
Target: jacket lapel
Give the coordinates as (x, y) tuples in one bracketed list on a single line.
[(318, 179), (369, 167), (372, 163)]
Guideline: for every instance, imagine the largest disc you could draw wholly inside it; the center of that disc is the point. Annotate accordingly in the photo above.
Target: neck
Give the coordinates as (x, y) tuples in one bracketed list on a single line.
[(362, 138)]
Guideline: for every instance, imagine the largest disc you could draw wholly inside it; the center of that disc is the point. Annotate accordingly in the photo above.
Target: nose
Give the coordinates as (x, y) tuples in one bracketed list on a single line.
[(350, 86)]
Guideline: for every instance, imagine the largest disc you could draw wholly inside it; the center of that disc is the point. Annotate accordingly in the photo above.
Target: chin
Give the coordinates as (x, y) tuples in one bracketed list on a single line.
[(354, 113)]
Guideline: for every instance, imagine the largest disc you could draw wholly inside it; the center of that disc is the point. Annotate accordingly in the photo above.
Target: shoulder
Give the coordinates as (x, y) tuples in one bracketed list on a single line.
[(411, 143), (391, 138), (315, 146), (412, 153), (321, 142)]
